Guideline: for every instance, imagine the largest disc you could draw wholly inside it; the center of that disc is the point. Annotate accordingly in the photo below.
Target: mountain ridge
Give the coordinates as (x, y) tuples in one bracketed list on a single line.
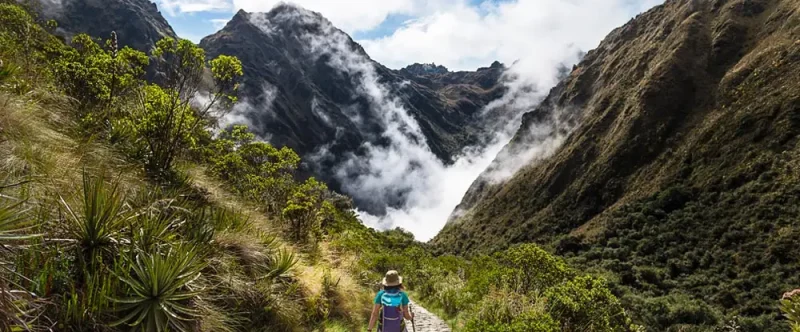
[(679, 130)]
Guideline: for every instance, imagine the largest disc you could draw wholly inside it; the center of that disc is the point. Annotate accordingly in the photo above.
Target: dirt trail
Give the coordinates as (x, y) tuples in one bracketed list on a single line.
[(425, 321)]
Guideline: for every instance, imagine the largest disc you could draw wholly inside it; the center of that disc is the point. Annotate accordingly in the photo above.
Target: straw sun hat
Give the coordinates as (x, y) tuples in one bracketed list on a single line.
[(392, 278)]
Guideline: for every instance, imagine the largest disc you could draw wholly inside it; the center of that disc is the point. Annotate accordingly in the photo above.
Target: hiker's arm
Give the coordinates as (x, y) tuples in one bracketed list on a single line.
[(374, 317), (407, 313)]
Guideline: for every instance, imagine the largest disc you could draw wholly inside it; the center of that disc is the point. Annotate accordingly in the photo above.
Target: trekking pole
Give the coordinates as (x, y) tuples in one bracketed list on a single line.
[(413, 327)]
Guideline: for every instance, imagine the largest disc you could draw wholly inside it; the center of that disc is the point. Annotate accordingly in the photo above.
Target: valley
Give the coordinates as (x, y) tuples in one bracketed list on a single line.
[(645, 183)]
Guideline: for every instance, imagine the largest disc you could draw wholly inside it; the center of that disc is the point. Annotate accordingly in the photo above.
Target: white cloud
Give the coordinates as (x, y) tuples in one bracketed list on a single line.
[(219, 23), (466, 37), (173, 7)]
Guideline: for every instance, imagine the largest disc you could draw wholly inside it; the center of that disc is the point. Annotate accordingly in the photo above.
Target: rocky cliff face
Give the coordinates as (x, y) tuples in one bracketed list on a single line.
[(671, 148), (309, 86), (424, 69), (138, 23)]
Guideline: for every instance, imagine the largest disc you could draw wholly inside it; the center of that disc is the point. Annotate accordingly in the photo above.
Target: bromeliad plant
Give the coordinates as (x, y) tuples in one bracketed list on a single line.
[(161, 289), (96, 224), (281, 263), (151, 229)]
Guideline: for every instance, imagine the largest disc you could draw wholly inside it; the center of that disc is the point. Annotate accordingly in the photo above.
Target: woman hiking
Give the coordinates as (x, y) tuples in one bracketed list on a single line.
[(391, 306)]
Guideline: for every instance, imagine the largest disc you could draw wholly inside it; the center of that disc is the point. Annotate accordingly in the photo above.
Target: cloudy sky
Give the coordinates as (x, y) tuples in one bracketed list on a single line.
[(460, 34)]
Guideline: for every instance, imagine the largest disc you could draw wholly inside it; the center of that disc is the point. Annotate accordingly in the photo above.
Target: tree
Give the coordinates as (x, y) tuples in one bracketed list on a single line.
[(169, 116), (98, 78), (256, 169), (305, 209)]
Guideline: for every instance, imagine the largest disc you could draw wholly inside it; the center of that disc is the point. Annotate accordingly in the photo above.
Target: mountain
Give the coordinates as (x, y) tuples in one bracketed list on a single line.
[(668, 156), (420, 69), (309, 86), (138, 23)]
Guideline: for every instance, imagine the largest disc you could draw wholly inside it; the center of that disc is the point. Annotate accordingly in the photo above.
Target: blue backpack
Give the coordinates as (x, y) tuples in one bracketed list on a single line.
[(391, 313)]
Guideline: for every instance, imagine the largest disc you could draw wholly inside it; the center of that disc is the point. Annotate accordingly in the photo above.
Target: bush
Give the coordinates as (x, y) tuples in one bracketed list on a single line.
[(533, 268), (255, 169), (98, 78), (305, 210), (451, 295), (586, 304), (170, 120), (505, 311)]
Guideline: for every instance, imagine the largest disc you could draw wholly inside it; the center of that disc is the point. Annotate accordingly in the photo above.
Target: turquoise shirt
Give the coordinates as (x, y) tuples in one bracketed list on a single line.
[(392, 300)]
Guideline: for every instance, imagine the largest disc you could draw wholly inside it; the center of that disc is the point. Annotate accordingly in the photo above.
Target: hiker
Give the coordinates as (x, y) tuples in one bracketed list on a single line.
[(391, 305)]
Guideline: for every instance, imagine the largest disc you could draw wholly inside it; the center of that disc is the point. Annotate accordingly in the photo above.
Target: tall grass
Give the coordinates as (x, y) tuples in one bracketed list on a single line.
[(17, 305)]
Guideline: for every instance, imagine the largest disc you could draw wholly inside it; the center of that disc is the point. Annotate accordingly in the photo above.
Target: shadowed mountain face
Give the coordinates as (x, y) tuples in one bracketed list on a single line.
[(677, 159), (309, 86), (138, 23)]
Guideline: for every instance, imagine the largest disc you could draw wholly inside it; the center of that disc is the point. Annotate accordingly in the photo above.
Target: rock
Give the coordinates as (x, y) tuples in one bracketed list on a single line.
[(138, 23)]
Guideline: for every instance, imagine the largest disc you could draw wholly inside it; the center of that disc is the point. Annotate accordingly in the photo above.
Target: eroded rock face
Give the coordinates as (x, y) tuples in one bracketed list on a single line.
[(138, 23), (424, 69), (309, 86)]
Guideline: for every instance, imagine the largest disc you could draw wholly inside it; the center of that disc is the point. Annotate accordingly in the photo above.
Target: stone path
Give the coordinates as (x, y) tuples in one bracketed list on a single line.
[(425, 321)]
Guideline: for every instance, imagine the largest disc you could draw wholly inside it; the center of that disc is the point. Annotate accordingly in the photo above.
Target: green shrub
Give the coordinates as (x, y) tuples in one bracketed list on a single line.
[(24, 50), (255, 169), (169, 122), (508, 311), (586, 304), (98, 78), (451, 295), (533, 269), (305, 210)]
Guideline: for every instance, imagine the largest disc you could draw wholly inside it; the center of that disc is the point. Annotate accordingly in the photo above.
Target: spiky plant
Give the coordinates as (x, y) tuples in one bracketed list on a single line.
[(151, 228), (96, 224), (227, 220), (281, 264), (7, 71), (160, 290), (14, 226)]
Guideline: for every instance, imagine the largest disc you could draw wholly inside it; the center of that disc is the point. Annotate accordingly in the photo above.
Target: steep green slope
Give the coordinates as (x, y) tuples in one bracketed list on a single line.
[(681, 175)]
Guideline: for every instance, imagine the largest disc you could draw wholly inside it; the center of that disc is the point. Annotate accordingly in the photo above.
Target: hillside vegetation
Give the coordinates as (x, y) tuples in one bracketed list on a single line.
[(680, 181), (122, 207)]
